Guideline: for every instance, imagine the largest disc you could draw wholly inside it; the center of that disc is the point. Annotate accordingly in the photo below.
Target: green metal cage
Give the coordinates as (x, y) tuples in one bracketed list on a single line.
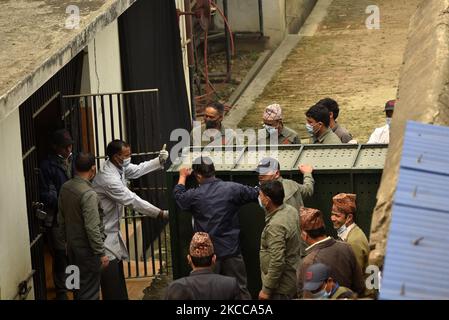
[(337, 168)]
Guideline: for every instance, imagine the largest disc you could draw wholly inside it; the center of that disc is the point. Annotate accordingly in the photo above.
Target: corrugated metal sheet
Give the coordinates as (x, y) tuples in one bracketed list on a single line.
[(417, 256)]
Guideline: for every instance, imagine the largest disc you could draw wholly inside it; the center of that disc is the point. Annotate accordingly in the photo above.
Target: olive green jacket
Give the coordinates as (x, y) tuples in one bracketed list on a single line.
[(342, 293), (356, 238), (295, 192), (279, 251), (287, 136), (79, 217), (328, 137)]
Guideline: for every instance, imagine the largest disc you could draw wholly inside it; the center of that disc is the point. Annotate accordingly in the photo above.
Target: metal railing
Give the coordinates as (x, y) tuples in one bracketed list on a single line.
[(95, 120)]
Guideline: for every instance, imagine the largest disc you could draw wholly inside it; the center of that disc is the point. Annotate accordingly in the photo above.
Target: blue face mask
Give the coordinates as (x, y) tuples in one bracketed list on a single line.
[(309, 129), (271, 130), (322, 295)]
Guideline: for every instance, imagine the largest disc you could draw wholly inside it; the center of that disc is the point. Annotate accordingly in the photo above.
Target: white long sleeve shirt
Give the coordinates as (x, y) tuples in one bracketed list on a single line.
[(113, 193), (380, 135)]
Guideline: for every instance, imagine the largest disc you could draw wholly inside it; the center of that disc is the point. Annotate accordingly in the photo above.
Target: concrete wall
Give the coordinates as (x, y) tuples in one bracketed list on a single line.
[(296, 13), (280, 17), (15, 259), (184, 43), (423, 96), (105, 75)]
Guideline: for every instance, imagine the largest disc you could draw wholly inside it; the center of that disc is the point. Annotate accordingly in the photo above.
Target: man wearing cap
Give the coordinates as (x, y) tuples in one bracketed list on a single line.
[(212, 131), (203, 283), (317, 126), (338, 255), (279, 244), (334, 110), (318, 284), (382, 134), (214, 206), (55, 170), (275, 131), (269, 170), (343, 216)]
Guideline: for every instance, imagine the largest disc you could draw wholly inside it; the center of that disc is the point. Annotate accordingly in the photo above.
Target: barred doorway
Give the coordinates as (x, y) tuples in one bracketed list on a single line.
[(40, 115), (97, 119)]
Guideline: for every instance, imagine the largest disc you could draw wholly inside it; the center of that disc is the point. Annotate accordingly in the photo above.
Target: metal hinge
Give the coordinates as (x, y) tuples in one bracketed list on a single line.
[(23, 288)]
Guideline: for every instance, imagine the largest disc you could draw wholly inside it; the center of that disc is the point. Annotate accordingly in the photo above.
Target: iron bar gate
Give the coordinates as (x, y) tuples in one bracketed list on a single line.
[(39, 116), (97, 119)]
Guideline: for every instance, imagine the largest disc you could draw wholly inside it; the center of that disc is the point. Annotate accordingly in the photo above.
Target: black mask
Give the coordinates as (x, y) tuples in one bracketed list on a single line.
[(211, 124)]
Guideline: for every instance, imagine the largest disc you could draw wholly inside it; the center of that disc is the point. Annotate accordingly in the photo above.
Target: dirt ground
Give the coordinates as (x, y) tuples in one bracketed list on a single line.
[(345, 61), (247, 51)]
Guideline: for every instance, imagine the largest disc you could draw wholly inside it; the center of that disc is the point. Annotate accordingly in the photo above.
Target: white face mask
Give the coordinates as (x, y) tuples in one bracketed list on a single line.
[(69, 156), (342, 229), (126, 162), (388, 121)]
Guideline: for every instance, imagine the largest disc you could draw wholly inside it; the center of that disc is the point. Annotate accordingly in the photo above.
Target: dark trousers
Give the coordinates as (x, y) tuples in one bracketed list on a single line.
[(234, 267), (58, 253), (89, 273), (113, 284)]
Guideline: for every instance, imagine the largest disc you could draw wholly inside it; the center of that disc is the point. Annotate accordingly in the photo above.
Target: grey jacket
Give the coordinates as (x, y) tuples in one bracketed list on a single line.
[(203, 285), (79, 216)]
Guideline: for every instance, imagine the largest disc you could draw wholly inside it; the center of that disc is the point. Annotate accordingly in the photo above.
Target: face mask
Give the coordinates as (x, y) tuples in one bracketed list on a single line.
[(388, 120), (341, 229), (126, 162), (260, 203), (68, 157), (271, 130), (309, 129), (210, 124), (322, 295)]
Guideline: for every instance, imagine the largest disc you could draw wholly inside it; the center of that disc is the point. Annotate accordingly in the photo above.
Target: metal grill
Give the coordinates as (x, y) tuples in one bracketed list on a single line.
[(32, 111), (97, 119)]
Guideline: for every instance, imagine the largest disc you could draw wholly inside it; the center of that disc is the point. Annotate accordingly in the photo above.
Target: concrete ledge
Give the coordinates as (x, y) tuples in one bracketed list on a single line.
[(423, 97), (65, 47), (252, 73)]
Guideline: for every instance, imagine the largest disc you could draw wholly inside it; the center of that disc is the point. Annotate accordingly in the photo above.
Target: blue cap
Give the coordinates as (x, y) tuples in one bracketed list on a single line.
[(267, 165), (315, 275)]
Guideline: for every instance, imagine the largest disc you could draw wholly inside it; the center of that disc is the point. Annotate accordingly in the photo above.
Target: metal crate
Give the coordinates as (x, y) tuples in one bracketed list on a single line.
[(337, 168)]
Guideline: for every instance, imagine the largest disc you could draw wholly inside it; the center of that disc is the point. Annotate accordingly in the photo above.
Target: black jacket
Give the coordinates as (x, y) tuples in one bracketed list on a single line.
[(214, 206), (203, 285), (51, 178)]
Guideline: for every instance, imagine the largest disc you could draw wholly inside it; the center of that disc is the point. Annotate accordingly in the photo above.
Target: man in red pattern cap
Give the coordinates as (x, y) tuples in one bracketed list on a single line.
[(323, 249)]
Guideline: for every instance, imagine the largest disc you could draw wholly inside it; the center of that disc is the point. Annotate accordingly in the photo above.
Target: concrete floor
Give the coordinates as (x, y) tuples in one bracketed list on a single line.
[(343, 60)]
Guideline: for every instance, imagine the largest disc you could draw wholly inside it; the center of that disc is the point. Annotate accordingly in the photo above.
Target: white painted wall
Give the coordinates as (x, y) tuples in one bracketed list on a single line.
[(279, 17), (15, 258), (244, 17), (105, 76)]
